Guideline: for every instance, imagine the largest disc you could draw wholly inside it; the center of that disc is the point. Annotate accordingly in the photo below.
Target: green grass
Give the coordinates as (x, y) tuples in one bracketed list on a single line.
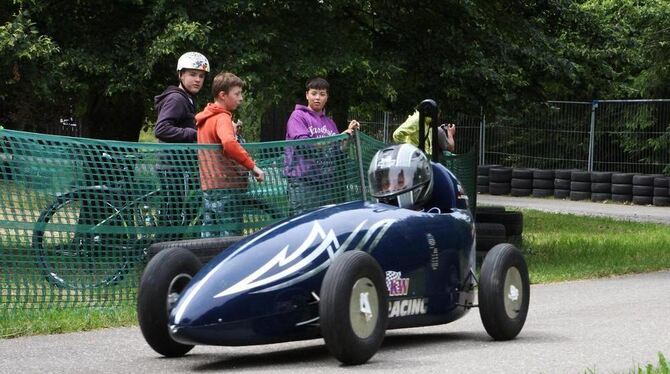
[(558, 247), (17, 323), (661, 368)]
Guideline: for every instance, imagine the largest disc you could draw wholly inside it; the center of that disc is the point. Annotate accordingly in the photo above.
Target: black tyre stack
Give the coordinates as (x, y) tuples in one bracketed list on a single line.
[(495, 225), (601, 186), (522, 182), (562, 178), (643, 189), (661, 191), (622, 187), (500, 180), (580, 185), (483, 178), (543, 183)]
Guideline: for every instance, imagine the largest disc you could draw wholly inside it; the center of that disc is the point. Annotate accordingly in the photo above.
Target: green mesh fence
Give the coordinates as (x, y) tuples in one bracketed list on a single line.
[(77, 215)]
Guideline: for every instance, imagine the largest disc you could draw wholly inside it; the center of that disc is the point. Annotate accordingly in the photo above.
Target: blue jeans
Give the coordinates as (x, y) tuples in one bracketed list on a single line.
[(223, 212)]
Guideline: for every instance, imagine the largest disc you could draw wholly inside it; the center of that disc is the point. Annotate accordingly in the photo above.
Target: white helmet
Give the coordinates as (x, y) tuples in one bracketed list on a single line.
[(401, 175), (193, 60)]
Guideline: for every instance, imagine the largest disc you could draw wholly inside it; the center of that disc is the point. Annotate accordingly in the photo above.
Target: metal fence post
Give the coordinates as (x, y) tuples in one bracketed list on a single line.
[(386, 127), (482, 136), (361, 173), (592, 134)]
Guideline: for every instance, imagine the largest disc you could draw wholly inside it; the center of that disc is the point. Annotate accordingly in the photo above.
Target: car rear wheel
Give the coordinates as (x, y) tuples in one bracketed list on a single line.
[(354, 307), (163, 281), (504, 292)]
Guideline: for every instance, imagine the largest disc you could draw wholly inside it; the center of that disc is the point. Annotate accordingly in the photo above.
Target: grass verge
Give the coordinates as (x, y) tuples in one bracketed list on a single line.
[(558, 247), (561, 247)]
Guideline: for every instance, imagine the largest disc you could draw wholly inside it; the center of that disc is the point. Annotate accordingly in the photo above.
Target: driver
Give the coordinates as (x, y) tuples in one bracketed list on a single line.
[(401, 175)]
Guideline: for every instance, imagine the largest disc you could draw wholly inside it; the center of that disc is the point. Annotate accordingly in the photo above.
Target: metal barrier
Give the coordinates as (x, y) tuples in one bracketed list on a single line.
[(602, 135)]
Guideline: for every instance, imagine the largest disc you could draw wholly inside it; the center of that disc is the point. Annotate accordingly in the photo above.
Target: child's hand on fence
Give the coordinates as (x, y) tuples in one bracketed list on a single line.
[(258, 174), (353, 125)]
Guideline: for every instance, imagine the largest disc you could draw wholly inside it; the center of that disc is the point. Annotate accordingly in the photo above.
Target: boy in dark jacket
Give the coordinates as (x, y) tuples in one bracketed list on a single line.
[(176, 124)]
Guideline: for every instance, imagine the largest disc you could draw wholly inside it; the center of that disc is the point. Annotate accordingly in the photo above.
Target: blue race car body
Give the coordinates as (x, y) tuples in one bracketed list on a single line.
[(265, 288)]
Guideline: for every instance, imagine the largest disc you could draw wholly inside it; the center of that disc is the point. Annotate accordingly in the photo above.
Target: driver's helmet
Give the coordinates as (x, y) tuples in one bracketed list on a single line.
[(193, 60), (401, 175)]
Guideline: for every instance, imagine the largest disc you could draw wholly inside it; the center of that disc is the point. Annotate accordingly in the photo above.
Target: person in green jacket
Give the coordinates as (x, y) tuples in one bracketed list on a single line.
[(408, 132)]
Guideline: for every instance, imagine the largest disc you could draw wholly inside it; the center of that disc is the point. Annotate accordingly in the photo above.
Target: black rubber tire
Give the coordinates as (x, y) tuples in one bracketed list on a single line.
[(661, 191), (562, 184), (522, 173), (580, 186), (579, 195), (542, 192), (580, 176), (499, 188), (639, 190), (544, 174), (504, 280), (622, 178), (482, 180), (521, 183), (561, 194), (622, 189), (489, 209), (622, 198), (488, 235), (167, 273), (661, 201), (204, 249), (564, 174), (661, 182), (520, 192), (601, 177), (335, 316), (601, 187), (482, 189), (642, 200), (484, 169), (600, 196), (500, 174), (643, 180), (546, 184), (512, 220)]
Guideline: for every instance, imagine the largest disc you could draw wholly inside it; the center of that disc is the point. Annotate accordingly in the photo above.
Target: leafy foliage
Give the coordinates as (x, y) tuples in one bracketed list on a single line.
[(105, 60)]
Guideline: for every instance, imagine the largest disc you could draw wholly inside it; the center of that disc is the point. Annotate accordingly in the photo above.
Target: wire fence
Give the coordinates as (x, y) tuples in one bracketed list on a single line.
[(77, 215), (602, 135)]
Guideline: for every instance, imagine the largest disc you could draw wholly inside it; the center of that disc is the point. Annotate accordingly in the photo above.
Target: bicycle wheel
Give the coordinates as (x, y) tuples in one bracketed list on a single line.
[(83, 243)]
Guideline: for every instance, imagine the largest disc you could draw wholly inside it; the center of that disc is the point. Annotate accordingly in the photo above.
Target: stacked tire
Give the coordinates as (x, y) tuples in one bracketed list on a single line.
[(543, 183), (661, 191), (562, 178), (622, 187), (495, 225), (522, 182), (601, 186), (483, 178), (500, 180), (643, 189), (580, 185)]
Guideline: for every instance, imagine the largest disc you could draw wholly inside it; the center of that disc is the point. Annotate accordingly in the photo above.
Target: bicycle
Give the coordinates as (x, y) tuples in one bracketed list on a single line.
[(115, 221)]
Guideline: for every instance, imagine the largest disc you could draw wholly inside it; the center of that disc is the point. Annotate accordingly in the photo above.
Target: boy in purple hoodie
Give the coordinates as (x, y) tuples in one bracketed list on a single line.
[(308, 179), (177, 168)]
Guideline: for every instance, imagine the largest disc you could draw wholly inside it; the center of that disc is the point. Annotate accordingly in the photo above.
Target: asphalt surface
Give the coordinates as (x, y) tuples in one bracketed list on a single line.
[(640, 213), (606, 325)]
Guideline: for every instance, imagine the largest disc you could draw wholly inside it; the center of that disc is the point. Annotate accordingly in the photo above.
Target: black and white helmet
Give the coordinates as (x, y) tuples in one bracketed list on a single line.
[(401, 175)]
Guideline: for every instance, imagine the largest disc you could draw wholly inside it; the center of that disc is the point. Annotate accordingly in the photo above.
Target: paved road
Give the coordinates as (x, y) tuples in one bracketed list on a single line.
[(582, 208), (608, 325)]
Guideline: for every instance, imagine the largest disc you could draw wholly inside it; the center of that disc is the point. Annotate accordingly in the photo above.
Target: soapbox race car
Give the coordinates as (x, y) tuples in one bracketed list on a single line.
[(345, 272)]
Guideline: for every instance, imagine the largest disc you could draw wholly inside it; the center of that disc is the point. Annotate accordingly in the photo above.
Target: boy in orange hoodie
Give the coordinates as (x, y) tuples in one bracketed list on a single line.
[(223, 174)]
